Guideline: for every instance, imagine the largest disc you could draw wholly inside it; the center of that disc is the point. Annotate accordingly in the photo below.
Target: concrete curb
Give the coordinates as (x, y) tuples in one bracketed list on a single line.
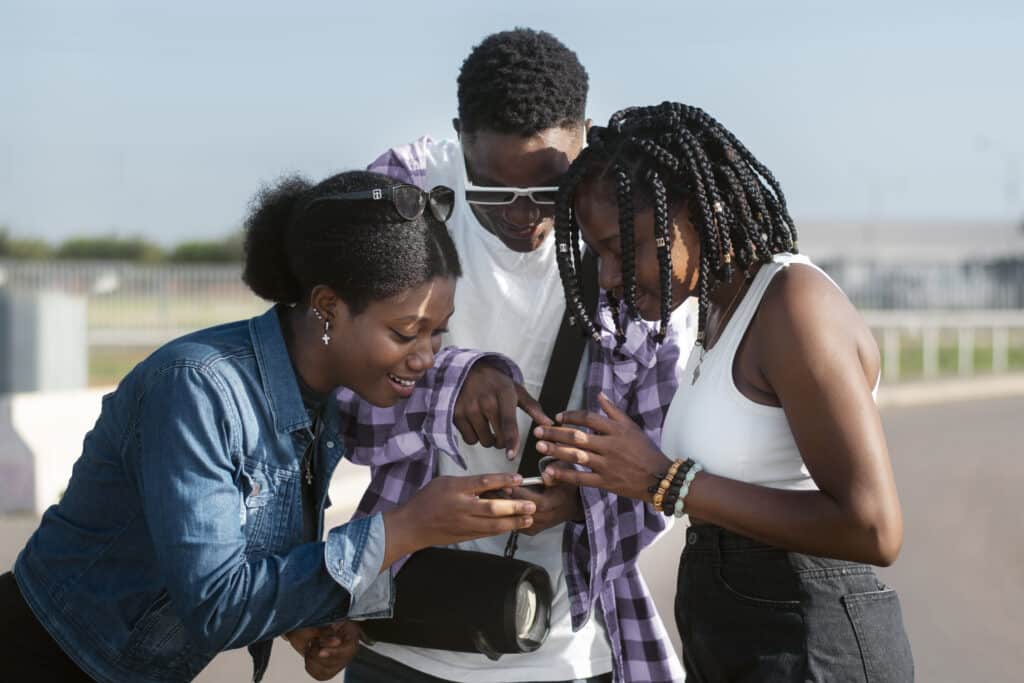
[(953, 389)]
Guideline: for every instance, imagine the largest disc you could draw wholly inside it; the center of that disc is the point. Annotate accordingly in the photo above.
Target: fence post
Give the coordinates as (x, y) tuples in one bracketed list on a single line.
[(965, 350), (891, 346), (1000, 349), (930, 350)]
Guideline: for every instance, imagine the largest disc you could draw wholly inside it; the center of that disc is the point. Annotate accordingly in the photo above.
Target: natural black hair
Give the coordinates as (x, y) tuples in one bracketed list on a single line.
[(521, 82), (675, 154), (362, 249)]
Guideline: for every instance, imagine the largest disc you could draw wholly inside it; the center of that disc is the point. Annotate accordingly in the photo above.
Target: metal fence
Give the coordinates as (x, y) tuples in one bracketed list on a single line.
[(929, 320), (141, 305), (927, 344), (994, 284)]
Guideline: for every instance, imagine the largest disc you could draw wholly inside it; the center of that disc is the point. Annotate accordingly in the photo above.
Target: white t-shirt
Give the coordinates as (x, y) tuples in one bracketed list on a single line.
[(512, 303)]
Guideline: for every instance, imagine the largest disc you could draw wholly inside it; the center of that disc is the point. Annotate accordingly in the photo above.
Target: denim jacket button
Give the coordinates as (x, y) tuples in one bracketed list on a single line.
[(691, 537), (330, 444)]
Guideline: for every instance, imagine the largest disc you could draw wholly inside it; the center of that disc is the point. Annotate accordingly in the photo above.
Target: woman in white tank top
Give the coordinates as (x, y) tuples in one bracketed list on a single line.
[(773, 444)]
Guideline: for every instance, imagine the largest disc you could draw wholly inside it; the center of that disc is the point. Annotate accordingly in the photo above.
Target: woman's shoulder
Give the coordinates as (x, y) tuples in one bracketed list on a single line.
[(805, 315), (211, 354), (803, 307)]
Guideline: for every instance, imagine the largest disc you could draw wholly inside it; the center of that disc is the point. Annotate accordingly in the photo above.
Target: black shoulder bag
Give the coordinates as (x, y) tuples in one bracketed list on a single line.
[(467, 601)]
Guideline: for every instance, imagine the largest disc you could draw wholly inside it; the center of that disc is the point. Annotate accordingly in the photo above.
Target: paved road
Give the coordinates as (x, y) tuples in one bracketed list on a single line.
[(961, 574)]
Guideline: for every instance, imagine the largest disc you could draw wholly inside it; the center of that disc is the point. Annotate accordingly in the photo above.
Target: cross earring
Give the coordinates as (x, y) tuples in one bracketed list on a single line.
[(326, 339)]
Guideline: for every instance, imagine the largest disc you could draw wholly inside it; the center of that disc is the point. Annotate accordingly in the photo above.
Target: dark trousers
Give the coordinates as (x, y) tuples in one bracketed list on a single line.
[(750, 612), (26, 649), (370, 667)]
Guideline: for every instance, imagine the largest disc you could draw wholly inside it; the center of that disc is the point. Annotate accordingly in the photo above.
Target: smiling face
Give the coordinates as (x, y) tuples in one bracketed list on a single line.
[(507, 160), (598, 217), (381, 352)]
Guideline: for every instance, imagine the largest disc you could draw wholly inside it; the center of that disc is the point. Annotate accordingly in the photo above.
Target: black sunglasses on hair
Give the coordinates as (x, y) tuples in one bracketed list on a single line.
[(408, 201)]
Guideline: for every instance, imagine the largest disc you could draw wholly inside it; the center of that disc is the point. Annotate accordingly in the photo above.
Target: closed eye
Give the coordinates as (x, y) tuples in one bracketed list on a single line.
[(403, 338)]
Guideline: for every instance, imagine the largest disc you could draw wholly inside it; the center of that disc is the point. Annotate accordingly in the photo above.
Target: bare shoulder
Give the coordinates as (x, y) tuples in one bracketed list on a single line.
[(805, 317)]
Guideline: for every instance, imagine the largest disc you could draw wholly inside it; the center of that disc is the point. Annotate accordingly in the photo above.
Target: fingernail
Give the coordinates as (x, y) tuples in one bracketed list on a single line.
[(542, 447), (604, 396), (510, 454), (527, 521), (517, 479), (529, 508), (538, 432), (558, 418)]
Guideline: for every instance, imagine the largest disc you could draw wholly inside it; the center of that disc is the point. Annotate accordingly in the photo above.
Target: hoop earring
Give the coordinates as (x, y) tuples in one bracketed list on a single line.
[(326, 339)]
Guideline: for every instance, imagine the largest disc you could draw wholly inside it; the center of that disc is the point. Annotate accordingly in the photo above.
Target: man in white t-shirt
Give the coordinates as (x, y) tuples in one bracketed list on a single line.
[(522, 97)]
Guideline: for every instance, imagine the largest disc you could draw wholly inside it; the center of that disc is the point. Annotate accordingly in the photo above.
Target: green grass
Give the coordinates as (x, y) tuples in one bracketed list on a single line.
[(108, 364), (176, 312), (912, 354), (912, 360)]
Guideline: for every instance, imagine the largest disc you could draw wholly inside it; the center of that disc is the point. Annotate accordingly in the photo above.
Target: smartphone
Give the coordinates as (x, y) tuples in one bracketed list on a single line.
[(533, 481)]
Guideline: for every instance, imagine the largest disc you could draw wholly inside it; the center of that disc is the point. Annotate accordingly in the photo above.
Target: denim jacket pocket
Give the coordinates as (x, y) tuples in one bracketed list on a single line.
[(159, 643), (878, 625), (257, 512)]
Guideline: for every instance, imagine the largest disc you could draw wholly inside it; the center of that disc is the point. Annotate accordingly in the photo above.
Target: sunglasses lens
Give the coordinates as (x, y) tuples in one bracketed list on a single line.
[(442, 201), (544, 196), (409, 201), (490, 197)]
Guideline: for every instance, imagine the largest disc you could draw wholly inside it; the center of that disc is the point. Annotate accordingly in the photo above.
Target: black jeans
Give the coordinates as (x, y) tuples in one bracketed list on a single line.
[(26, 649), (750, 612)]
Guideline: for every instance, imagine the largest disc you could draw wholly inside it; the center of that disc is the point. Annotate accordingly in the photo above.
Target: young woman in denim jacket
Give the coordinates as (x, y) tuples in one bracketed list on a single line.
[(192, 523), (773, 443)]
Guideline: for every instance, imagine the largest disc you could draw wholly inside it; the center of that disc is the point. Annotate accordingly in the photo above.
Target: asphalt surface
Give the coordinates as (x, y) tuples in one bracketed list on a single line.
[(960, 471)]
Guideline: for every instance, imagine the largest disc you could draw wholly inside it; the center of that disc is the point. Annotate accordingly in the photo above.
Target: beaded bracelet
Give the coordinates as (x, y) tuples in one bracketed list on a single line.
[(670, 497), (666, 481), (679, 506)]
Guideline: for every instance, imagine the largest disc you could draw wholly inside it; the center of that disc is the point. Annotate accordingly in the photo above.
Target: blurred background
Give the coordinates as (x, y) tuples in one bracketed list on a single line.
[(133, 135)]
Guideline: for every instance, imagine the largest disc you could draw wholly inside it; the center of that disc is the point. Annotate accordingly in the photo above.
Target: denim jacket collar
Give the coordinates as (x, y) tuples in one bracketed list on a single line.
[(279, 379)]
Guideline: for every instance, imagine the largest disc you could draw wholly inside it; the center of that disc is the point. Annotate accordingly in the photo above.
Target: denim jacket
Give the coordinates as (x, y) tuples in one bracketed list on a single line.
[(180, 534)]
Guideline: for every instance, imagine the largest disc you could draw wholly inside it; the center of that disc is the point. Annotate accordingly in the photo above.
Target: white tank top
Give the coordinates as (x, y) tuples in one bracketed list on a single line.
[(716, 425)]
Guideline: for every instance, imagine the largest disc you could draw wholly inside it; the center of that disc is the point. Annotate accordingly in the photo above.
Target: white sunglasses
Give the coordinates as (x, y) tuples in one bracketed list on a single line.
[(499, 196)]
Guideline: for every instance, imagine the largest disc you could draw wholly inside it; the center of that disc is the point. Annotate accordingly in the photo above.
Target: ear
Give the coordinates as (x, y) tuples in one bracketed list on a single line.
[(457, 125), (330, 305)]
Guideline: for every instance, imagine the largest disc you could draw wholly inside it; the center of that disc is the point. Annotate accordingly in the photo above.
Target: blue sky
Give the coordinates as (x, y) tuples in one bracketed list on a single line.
[(162, 119)]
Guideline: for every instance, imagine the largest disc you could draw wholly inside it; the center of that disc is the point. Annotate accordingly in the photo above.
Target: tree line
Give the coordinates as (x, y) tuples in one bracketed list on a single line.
[(117, 248)]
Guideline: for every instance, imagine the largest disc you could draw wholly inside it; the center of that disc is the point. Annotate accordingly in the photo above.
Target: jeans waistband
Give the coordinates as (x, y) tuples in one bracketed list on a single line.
[(715, 539)]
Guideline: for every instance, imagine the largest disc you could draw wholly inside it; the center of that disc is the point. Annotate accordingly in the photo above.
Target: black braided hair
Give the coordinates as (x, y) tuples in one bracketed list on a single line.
[(675, 153)]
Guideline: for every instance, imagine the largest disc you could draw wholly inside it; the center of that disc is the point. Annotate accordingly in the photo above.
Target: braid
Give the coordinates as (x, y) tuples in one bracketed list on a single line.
[(615, 308), (668, 153), (626, 241), (567, 246), (663, 241)]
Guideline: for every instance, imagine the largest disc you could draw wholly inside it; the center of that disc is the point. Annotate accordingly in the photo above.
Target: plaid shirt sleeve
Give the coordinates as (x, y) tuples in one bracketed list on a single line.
[(406, 163), (600, 555), (401, 444)]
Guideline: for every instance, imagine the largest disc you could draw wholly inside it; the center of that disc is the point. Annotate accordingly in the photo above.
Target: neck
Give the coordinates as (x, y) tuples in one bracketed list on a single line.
[(724, 301), (305, 350)]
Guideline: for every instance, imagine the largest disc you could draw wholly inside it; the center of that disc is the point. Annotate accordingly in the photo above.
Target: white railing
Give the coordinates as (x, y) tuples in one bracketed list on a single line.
[(948, 341)]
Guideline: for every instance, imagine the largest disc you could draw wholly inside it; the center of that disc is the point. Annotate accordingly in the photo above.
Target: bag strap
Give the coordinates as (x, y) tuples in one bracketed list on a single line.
[(560, 376), (564, 364)]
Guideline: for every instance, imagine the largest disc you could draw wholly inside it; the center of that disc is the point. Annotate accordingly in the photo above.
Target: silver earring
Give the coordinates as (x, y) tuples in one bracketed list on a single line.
[(326, 339)]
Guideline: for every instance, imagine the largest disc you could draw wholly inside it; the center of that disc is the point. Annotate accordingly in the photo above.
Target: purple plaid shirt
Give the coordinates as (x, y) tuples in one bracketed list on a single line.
[(401, 446)]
